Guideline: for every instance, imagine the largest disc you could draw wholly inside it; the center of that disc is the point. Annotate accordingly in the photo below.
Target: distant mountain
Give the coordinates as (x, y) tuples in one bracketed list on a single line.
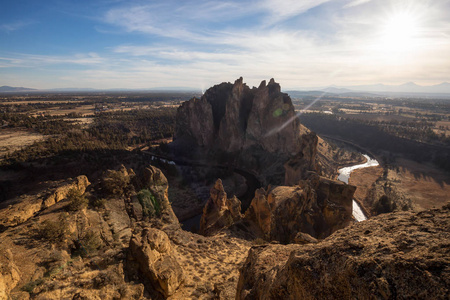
[(6, 88), (409, 87), (336, 90)]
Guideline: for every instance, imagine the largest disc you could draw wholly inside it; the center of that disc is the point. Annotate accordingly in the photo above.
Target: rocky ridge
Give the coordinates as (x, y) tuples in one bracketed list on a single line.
[(401, 255), (115, 251), (317, 207), (20, 209), (255, 129)]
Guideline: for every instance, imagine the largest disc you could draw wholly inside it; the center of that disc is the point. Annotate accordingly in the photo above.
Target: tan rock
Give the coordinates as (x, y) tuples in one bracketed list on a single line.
[(302, 238), (80, 183), (219, 212), (26, 206), (317, 207), (156, 182), (152, 250), (401, 255), (9, 274)]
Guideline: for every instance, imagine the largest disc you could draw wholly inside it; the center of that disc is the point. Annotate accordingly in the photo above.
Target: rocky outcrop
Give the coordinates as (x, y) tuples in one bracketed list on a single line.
[(384, 197), (392, 256), (154, 179), (153, 252), (317, 206), (219, 211), (22, 208), (9, 274), (255, 129), (298, 166)]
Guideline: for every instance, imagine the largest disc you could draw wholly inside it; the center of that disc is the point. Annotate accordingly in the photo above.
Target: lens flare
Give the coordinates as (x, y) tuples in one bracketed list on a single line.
[(290, 120)]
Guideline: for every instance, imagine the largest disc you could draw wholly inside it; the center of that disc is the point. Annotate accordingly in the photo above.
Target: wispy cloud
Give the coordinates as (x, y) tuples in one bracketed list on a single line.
[(24, 60), (14, 26), (284, 9), (202, 42), (356, 3)]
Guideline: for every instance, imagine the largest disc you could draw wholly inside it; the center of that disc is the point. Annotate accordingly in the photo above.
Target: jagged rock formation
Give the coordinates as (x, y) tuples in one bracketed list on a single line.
[(109, 252), (318, 207), (20, 209), (219, 211), (255, 129), (153, 252), (400, 255), (157, 183)]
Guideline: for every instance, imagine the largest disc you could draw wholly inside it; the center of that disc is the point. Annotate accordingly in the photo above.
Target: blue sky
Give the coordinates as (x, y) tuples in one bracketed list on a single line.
[(146, 44)]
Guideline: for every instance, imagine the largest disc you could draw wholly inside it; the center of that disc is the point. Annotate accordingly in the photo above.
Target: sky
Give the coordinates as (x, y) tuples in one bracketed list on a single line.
[(141, 44)]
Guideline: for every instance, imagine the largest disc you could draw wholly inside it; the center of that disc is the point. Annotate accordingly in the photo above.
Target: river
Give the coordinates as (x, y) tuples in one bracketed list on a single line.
[(253, 184), (344, 175)]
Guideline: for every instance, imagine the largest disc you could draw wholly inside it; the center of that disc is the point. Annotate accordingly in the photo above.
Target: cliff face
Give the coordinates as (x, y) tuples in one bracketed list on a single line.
[(317, 206), (400, 255), (255, 129)]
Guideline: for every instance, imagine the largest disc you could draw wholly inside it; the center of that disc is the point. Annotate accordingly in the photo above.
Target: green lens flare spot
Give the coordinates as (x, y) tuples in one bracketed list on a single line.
[(278, 112)]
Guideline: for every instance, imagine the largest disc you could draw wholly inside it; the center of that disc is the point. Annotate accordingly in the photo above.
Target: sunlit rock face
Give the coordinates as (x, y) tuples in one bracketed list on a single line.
[(316, 207), (253, 128), (220, 211), (401, 255)]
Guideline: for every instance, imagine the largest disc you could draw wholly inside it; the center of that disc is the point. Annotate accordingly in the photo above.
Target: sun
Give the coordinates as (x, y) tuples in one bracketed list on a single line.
[(399, 32)]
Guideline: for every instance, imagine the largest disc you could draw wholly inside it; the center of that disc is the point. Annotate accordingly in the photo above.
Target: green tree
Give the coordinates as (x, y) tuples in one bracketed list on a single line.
[(150, 205)]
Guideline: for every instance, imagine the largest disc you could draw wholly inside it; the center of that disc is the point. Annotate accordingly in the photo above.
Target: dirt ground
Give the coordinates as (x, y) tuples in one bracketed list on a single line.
[(426, 186), (363, 180)]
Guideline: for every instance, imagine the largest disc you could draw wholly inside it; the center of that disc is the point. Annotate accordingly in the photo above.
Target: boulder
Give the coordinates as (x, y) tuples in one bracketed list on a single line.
[(153, 252), (219, 211), (400, 255)]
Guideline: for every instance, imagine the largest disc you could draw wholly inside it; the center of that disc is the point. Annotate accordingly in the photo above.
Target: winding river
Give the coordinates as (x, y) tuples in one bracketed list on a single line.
[(253, 184), (344, 175)]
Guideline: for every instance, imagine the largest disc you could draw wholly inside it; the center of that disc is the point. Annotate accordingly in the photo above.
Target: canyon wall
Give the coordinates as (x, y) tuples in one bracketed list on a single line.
[(254, 129)]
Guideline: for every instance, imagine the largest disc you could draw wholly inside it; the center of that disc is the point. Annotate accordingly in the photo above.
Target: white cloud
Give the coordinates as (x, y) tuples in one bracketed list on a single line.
[(198, 44), (14, 26), (356, 3), (23, 60), (283, 9)]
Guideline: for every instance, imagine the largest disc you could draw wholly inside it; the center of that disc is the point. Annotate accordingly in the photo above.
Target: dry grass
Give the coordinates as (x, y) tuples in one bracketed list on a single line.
[(210, 262), (426, 185), (14, 139), (363, 180)]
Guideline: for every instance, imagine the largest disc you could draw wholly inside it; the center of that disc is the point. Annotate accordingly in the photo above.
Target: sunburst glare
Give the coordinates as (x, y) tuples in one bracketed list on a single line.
[(400, 32)]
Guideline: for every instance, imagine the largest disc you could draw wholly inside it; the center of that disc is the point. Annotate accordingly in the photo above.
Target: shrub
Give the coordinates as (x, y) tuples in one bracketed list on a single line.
[(115, 182), (87, 244), (29, 287), (98, 202), (150, 205), (77, 200), (54, 231)]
